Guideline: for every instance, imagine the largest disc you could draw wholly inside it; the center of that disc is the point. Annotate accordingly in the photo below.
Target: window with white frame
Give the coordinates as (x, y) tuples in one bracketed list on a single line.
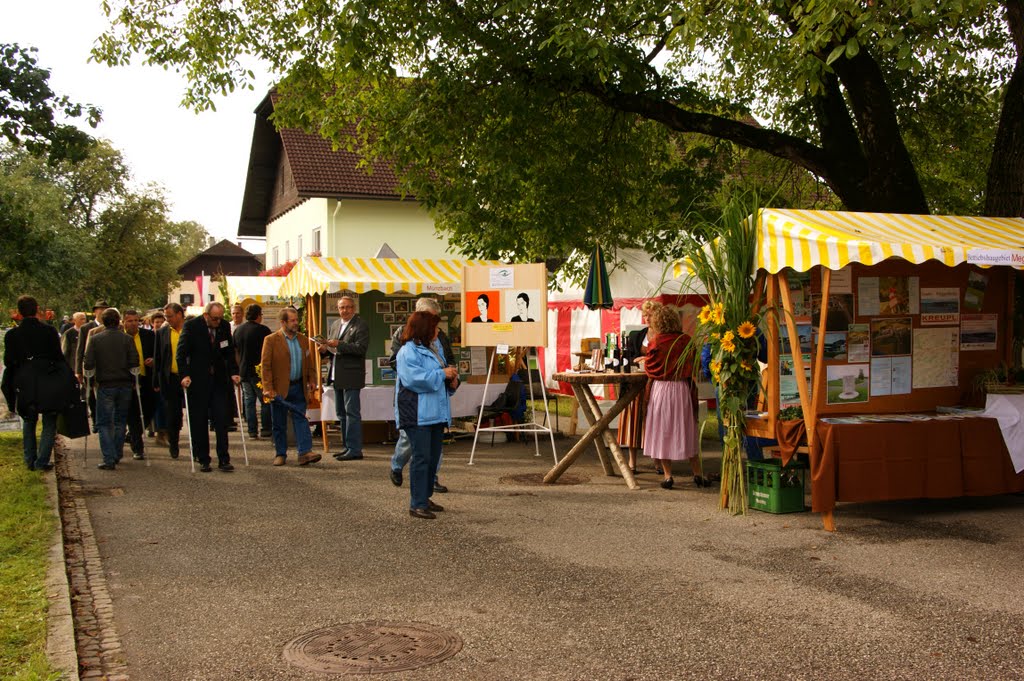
[(287, 251), (316, 241), (298, 247), (276, 260)]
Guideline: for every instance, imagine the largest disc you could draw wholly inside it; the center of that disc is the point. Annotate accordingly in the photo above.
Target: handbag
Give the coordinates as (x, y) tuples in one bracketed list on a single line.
[(73, 422)]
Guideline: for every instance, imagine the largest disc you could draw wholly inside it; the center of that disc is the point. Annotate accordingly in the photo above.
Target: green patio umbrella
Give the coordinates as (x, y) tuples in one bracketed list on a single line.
[(598, 293)]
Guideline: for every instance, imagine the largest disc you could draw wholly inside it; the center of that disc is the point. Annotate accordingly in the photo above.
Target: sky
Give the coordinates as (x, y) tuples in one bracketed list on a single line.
[(199, 159)]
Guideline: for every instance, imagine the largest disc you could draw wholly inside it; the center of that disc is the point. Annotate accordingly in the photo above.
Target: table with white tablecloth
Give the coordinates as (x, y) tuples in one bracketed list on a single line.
[(378, 402)]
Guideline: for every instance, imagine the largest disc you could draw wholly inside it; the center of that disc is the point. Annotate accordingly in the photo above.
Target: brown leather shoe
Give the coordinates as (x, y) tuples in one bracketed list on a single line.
[(308, 458), (421, 513), (278, 460), (431, 506)]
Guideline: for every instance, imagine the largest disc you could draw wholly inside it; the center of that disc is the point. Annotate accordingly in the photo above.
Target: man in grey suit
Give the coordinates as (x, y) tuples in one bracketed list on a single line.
[(347, 343)]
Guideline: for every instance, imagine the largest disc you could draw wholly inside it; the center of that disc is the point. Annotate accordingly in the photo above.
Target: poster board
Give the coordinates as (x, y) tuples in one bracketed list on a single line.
[(910, 335), (505, 305)]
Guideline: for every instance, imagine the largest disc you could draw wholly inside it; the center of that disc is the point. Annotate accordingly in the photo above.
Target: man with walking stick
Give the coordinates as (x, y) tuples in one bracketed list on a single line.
[(166, 376), (288, 373), (144, 341), (207, 366)]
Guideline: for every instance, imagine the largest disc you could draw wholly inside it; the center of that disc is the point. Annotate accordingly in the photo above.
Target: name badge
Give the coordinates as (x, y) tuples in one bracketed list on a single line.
[(224, 344)]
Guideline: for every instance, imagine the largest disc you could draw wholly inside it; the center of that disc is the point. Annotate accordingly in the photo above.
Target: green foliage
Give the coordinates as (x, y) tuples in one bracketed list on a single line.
[(547, 102), (29, 108), (26, 528), (78, 231)]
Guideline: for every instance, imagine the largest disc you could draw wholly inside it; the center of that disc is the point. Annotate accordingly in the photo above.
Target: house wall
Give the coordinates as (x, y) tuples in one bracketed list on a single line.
[(188, 287), (355, 228), (299, 221), (359, 227)]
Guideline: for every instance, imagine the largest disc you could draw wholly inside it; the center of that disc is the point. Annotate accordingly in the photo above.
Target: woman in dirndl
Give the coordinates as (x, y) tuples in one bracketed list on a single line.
[(631, 422), (670, 429)]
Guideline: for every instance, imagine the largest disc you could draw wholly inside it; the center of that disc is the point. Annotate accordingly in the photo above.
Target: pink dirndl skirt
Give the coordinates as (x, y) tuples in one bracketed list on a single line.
[(670, 431)]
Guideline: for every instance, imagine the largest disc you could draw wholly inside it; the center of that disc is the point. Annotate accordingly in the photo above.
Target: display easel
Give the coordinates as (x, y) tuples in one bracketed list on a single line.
[(516, 427)]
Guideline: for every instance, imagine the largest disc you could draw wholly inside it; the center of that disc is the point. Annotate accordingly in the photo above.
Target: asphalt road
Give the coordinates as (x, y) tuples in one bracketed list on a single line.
[(212, 574)]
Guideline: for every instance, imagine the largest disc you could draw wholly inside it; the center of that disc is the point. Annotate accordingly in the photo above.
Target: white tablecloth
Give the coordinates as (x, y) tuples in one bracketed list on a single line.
[(378, 402), (1008, 410)]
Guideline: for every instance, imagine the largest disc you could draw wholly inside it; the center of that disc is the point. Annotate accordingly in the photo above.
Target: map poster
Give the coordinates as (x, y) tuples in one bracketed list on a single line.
[(936, 358), (978, 331)]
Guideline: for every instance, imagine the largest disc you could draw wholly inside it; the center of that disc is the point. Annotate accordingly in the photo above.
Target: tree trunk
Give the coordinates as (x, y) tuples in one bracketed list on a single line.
[(1004, 196)]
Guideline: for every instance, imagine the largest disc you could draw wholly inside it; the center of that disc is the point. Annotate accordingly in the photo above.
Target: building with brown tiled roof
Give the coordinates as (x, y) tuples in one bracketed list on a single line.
[(222, 257), (304, 197)]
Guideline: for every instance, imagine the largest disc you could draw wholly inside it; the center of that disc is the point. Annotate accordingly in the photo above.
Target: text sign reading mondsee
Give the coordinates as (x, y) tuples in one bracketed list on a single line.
[(984, 256)]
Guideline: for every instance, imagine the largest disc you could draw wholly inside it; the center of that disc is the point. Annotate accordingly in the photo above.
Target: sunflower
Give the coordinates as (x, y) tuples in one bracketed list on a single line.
[(719, 314), (716, 336), (716, 367), (747, 366), (746, 330), (705, 314), (727, 342)]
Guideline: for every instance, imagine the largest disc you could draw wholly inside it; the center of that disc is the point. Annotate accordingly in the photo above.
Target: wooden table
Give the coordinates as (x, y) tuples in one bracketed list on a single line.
[(598, 433)]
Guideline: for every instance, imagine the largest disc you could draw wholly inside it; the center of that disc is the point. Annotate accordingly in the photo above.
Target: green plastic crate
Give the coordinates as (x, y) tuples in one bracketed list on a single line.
[(774, 489)]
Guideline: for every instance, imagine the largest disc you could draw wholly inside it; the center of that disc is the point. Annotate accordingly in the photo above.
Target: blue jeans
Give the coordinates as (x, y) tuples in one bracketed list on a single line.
[(112, 407), (40, 457), (346, 403), (426, 453), (403, 450), (303, 440), (251, 396)]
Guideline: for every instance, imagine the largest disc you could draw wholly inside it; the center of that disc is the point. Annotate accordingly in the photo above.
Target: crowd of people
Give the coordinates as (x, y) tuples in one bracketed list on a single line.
[(155, 373), (150, 373)]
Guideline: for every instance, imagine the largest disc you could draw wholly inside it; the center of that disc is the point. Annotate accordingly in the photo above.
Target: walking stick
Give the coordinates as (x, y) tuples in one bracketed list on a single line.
[(135, 371), (188, 424), (89, 373), (241, 424)]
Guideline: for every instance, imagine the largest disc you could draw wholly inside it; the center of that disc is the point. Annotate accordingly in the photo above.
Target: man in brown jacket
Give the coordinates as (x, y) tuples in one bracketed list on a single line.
[(288, 376)]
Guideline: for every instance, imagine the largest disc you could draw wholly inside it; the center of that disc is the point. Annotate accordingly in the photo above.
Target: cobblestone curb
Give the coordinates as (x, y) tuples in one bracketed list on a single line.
[(60, 625), (100, 655)]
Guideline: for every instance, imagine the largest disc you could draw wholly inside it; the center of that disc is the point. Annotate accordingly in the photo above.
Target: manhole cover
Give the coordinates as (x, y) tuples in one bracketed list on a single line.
[(371, 648), (538, 479)]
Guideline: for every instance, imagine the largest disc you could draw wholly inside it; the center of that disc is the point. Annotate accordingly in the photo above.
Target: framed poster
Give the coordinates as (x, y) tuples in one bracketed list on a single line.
[(513, 314)]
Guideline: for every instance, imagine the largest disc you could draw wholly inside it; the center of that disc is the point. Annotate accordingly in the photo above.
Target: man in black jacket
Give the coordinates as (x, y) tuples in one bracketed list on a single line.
[(248, 338), (145, 346), (166, 375), (348, 342), (26, 348), (207, 365)]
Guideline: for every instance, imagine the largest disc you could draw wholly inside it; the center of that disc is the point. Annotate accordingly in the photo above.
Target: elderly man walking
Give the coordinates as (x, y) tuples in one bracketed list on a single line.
[(31, 350), (207, 366), (167, 376), (144, 341), (111, 353), (348, 343), (288, 373)]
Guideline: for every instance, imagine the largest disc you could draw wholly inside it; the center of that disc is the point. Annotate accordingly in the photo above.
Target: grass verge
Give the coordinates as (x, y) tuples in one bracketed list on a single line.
[(26, 528)]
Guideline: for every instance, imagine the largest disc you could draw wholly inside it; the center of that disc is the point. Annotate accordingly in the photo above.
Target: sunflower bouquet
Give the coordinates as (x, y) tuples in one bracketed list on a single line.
[(721, 255)]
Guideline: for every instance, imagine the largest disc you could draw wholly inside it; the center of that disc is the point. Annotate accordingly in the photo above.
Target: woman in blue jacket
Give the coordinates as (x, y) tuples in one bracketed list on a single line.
[(421, 406)]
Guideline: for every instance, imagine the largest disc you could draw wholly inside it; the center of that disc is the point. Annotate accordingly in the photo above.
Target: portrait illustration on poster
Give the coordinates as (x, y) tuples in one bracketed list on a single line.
[(483, 306), (519, 304)]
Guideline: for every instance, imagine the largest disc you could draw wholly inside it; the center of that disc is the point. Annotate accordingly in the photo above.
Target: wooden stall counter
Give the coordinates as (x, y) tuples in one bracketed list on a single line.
[(933, 459), (598, 434)]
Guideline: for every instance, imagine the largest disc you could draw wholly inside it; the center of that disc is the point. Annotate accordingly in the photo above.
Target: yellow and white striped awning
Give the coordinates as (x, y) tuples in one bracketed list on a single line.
[(390, 275), (802, 239), (259, 289)]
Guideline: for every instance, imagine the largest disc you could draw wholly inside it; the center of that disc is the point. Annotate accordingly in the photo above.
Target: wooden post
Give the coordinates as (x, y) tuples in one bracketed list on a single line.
[(818, 368), (772, 339), (794, 345), (609, 442), (592, 412)]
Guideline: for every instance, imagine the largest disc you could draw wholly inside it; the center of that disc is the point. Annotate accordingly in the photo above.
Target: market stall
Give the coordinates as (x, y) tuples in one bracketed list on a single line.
[(264, 291), (883, 319), (387, 289)]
